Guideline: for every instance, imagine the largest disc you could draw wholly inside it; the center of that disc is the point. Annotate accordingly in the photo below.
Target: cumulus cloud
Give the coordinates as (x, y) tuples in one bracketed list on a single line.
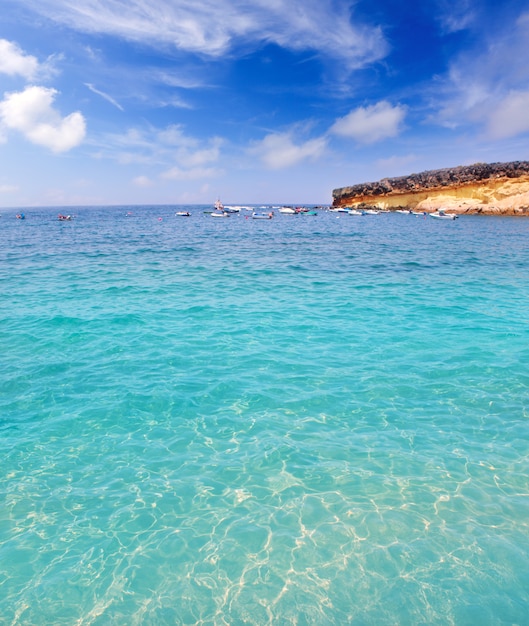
[(213, 27), (279, 150), (370, 124), (14, 62), (31, 113)]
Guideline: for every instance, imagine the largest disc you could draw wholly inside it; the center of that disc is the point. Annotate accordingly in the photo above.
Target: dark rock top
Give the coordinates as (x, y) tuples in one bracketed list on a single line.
[(434, 179)]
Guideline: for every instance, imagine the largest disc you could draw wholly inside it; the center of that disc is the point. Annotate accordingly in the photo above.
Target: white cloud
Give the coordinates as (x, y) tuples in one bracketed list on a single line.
[(179, 156), (194, 173), (213, 27), (486, 85), (456, 16), (370, 124), (105, 96), (174, 102), (191, 156), (209, 154), (172, 79), (511, 116), (31, 113), (278, 150), (189, 152), (14, 62), (174, 135), (143, 181)]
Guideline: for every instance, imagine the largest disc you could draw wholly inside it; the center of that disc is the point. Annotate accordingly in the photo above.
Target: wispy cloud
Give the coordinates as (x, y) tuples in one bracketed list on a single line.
[(456, 16), (487, 86), (372, 123), (31, 113), (174, 102), (193, 173), (214, 27), (510, 117), (143, 181), (170, 151), (105, 96), (176, 79), (8, 188)]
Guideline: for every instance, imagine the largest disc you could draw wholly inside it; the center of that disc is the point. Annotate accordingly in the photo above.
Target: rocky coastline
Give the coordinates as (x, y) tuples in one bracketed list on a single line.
[(481, 188)]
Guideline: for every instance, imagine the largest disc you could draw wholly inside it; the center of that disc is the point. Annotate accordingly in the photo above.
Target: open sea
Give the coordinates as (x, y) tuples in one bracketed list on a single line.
[(310, 420)]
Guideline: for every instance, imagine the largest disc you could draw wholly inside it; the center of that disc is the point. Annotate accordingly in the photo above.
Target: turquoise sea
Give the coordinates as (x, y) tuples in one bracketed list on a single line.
[(309, 420)]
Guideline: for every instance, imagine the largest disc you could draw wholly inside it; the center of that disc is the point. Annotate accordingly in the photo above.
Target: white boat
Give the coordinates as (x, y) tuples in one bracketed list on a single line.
[(355, 212), (441, 215), (403, 211), (219, 214), (262, 216), (371, 212), (183, 214), (286, 210)]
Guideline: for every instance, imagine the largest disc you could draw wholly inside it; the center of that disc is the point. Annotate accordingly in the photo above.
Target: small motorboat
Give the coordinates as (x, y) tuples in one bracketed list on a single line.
[(183, 214), (20, 216), (219, 214), (262, 216), (441, 215), (64, 218), (355, 212), (287, 210)]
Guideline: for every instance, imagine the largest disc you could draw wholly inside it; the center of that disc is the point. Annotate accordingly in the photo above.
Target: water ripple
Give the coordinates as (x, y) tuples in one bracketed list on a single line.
[(305, 421)]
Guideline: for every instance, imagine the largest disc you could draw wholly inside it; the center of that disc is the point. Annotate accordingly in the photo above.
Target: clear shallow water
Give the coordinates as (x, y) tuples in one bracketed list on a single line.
[(307, 420)]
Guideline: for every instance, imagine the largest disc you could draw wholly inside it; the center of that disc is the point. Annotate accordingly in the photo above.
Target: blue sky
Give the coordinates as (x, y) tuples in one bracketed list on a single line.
[(263, 101)]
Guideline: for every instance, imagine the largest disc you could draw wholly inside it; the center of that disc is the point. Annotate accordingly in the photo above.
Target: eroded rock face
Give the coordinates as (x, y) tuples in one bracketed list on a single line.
[(488, 188)]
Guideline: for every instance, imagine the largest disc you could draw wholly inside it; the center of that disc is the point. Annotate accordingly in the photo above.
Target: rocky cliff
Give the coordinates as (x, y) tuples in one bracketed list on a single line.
[(488, 188)]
